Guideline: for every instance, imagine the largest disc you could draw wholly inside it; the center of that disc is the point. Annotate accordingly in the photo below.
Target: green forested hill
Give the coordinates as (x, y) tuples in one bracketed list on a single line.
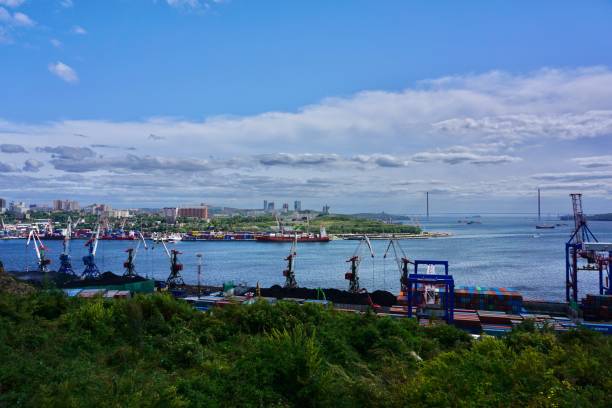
[(154, 351)]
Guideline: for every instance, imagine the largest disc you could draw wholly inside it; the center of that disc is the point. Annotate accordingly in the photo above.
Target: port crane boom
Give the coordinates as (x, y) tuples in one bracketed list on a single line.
[(65, 262), (289, 273), (353, 274), (43, 262), (91, 269), (129, 265), (175, 278), (402, 262), (583, 252)]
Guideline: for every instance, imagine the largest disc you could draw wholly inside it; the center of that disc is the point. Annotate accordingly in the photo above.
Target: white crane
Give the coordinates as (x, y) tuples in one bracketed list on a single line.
[(43, 262)]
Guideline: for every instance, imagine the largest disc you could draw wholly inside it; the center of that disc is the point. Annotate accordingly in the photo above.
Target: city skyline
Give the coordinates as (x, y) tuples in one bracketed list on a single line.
[(364, 107)]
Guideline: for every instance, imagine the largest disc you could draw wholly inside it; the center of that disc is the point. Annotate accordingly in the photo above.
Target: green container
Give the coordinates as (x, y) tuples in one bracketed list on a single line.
[(146, 286)]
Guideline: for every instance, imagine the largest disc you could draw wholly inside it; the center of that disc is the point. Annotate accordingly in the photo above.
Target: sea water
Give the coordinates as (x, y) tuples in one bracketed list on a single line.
[(500, 251)]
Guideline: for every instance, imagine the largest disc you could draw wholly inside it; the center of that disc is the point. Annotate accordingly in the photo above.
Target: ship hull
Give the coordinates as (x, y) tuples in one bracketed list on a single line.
[(545, 226), (269, 238)]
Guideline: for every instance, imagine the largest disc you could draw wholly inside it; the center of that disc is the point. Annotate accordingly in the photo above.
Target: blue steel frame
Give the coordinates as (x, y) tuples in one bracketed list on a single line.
[(572, 246), (448, 297)]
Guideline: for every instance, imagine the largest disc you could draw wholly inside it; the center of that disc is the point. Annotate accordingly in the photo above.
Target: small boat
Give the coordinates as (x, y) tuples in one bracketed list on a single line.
[(545, 226), (541, 225), (174, 237), (170, 238)]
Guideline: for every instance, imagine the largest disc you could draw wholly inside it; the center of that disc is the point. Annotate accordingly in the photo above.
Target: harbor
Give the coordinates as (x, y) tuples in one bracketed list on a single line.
[(487, 297), (502, 251)]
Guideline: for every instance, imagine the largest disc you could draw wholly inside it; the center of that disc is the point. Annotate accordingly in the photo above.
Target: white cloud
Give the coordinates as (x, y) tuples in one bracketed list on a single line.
[(66, 3), (64, 72), (184, 3), (454, 157), (194, 4), (520, 126), (16, 19), (523, 128), (594, 161), (382, 160), (11, 3), (299, 160), (56, 43), (32, 165), (77, 29), (22, 20), (574, 176), (5, 38), (12, 148), (7, 168), (5, 15)]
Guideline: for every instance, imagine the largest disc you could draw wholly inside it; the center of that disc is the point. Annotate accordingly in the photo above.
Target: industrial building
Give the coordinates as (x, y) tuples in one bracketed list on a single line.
[(66, 205), (194, 212)]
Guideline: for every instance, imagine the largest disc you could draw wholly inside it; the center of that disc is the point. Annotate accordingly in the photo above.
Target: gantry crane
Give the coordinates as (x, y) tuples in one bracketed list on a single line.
[(289, 273), (174, 279), (65, 261), (353, 274), (43, 262), (91, 269), (583, 252), (402, 262)]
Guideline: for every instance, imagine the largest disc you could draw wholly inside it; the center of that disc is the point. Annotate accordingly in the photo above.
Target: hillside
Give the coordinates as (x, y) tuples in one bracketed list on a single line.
[(347, 224), (154, 351), (594, 217), (9, 285)]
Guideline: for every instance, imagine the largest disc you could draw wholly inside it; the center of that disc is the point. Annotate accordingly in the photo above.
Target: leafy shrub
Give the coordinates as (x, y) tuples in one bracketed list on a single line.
[(158, 351)]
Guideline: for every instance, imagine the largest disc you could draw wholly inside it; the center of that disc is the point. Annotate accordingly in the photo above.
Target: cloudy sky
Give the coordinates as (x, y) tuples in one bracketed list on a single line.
[(361, 104)]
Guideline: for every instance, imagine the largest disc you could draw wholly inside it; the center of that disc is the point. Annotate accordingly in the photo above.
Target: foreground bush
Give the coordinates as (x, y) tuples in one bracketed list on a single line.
[(157, 351)]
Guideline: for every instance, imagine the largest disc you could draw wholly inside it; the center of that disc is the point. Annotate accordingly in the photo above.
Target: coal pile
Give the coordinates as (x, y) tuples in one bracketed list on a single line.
[(383, 298), (107, 278), (379, 297), (40, 279)]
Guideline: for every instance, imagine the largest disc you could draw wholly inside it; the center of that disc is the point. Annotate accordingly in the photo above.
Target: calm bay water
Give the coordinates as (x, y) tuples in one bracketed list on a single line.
[(506, 252)]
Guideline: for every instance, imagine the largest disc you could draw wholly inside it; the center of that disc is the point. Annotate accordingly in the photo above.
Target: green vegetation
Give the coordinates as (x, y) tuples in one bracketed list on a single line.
[(154, 351), (591, 217), (347, 224), (334, 224)]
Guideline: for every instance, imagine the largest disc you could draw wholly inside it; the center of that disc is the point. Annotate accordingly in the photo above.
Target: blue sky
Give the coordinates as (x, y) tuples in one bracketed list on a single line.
[(361, 104)]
